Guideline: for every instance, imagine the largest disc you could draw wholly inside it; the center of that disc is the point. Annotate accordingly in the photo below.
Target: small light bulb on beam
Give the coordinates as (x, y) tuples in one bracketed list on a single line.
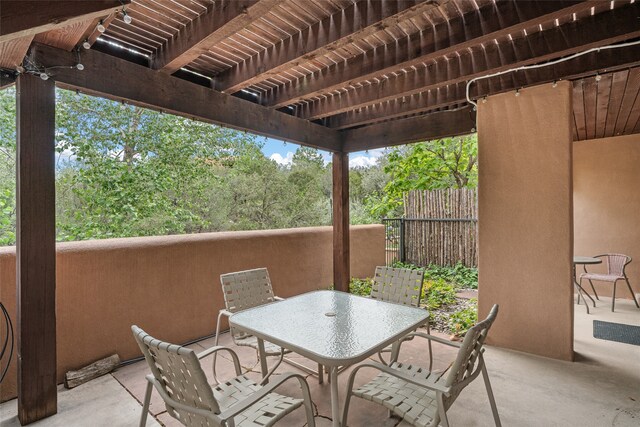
[(80, 66), (598, 77), (100, 27), (86, 44), (44, 76), (126, 18)]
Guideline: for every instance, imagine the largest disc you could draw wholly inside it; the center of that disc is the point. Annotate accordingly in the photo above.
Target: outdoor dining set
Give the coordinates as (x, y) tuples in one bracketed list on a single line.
[(335, 330), (615, 271)]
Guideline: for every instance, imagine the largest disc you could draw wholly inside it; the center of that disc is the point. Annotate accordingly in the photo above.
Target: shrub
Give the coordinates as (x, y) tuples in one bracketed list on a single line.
[(463, 277), (360, 287), (461, 321), (438, 293)]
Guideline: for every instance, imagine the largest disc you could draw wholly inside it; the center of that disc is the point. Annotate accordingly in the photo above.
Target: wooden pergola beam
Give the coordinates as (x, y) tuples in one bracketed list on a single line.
[(27, 18), (415, 129), (593, 31), (341, 255), (142, 86), (36, 248), (356, 22), (483, 26), (446, 96), (224, 18)]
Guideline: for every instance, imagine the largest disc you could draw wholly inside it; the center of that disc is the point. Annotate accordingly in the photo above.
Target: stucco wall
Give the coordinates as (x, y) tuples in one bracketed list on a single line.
[(525, 219), (606, 197), (170, 285)]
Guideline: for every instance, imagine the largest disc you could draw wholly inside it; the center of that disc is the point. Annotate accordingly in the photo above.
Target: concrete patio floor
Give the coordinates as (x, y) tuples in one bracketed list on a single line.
[(602, 388)]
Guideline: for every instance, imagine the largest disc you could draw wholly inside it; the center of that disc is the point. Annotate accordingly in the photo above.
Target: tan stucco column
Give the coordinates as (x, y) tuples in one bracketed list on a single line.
[(526, 218)]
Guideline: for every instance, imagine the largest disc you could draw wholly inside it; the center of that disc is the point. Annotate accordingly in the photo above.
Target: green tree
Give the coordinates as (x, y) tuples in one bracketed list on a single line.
[(442, 163), (7, 166)]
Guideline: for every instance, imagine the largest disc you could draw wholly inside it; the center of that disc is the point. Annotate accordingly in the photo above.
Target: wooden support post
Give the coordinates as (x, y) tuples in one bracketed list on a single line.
[(341, 221), (36, 248)]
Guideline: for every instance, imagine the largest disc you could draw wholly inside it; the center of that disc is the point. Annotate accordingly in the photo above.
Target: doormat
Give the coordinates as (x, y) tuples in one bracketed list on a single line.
[(628, 334)]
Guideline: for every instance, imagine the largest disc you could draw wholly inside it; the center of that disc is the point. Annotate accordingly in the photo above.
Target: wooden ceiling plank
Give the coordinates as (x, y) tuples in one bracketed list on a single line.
[(586, 65), (578, 110), (356, 22), (589, 93), (630, 92), (145, 87), (223, 20), (599, 30), (634, 113), (618, 85), (602, 103), (447, 38), (420, 128), (27, 18)]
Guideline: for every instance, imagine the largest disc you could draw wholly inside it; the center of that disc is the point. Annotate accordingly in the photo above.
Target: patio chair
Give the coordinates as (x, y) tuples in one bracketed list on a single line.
[(400, 286), (247, 289), (419, 396), (616, 264), (178, 377)]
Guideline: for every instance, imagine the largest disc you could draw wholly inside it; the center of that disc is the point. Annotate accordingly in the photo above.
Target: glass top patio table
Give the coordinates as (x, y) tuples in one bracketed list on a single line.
[(331, 328)]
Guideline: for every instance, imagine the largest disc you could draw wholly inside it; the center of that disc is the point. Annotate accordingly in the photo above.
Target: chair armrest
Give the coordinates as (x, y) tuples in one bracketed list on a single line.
[(225, 312), (433, 338), (215, 350), (432, 385), (177, 405), (242, 405)]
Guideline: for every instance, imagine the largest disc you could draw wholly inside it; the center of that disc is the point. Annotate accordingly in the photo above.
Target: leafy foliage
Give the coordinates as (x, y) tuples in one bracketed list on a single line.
[(438, 293), (431, 165), (462, 320), (361, 287), (462, 277)]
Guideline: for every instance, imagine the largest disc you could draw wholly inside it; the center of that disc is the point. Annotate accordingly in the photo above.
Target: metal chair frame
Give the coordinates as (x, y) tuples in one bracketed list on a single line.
[(400, 286), (615, 271), (440, 391), (247, 289), (178, 377)]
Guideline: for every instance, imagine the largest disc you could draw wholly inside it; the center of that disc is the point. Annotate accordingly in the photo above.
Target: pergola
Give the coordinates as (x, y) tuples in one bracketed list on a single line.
[(338, 75)]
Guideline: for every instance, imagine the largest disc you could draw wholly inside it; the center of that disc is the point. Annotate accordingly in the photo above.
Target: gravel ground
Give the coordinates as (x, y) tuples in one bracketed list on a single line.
[(440, 316)]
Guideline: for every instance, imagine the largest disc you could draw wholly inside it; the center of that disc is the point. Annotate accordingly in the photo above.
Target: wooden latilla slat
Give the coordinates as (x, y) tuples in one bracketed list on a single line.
[(145, 87), (620, 24), (223, 20), (447, 38), (346, 26), (441, 242), (450, 95), (618, 85)]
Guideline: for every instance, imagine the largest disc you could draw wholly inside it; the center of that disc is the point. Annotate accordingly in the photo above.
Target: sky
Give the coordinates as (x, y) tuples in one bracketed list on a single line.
[(282, 153)]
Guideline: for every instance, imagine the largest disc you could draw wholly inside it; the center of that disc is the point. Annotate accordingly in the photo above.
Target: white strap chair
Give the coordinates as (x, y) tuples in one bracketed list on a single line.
[(419, 396), (178, 377), (400, 286), (247, 289), (616, 264)]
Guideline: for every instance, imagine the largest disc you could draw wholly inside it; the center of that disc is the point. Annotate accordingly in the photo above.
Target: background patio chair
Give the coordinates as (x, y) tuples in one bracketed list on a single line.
[(616, 264), (247, 289), (401, 286), (422, 397), (177, 375)]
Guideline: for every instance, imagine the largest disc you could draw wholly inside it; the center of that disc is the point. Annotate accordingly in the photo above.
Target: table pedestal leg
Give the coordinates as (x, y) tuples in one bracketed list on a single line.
[(263, 359), (335, 406)]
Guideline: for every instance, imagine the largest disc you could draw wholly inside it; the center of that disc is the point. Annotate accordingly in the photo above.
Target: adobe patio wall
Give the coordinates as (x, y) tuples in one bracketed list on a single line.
[(170, 285), (525, 228), (606, 200)]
